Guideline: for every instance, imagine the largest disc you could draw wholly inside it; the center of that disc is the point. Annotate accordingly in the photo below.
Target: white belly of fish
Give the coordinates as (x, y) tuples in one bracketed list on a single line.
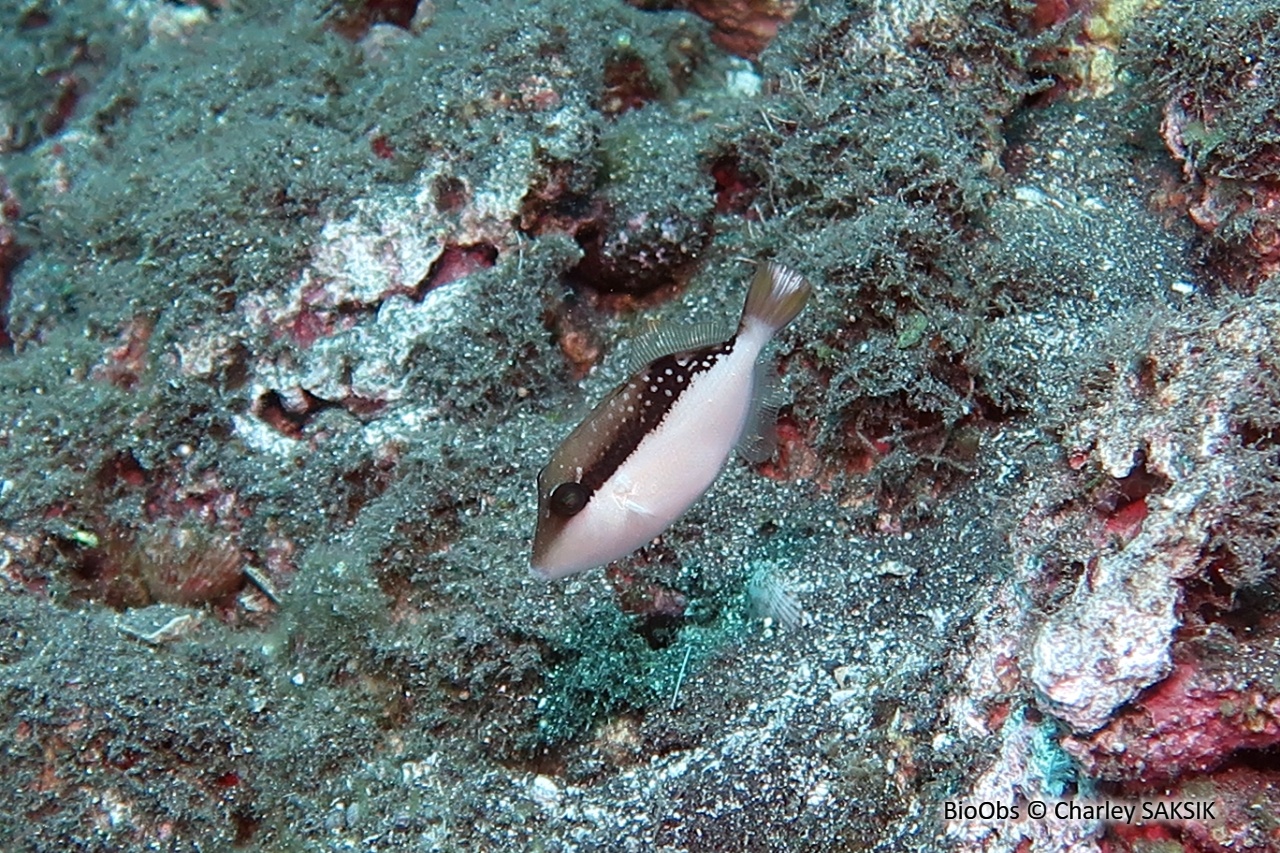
[(672, 466)]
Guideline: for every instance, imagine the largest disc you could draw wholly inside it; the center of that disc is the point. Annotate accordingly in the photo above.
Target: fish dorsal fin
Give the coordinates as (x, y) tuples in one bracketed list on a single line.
[(760, 437), (666, 340)]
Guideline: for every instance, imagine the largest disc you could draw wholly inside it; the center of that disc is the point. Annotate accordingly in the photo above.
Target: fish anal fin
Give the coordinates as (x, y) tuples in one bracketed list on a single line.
[(760, 436)]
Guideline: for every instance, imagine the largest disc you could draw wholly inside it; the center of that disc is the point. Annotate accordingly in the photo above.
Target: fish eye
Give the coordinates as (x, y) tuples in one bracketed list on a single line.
[(568, 499)]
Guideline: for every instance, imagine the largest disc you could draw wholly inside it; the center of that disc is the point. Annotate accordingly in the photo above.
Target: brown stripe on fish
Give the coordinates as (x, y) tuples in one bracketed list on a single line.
[(646, 399)]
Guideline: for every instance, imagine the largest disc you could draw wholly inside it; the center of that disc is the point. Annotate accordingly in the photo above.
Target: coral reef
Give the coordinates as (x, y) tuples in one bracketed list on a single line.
[(1219, 123), (295, 300), (1187, 470)]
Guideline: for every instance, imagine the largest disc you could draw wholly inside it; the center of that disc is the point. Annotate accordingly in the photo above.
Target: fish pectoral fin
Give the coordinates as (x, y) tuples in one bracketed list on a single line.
[(632, 505), (625, 494)]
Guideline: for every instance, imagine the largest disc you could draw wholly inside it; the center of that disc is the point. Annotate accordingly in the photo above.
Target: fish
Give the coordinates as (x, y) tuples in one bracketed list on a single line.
[(659, 440)]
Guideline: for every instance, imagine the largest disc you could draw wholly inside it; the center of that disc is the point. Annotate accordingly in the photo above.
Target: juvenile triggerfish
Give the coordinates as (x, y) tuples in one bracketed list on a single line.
[(652, 447)]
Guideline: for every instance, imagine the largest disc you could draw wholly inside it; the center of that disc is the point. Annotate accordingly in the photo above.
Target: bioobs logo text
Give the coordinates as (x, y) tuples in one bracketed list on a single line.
[(979, 811)]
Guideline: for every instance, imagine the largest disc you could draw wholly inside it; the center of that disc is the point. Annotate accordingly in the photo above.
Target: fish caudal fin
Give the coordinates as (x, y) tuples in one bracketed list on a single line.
[(777, 295)]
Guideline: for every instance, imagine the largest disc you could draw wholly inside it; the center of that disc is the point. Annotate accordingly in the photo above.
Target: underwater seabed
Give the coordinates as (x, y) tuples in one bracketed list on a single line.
[(295, 304)]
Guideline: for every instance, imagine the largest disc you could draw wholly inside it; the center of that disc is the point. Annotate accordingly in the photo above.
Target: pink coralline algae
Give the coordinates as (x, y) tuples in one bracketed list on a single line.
[(10, 253), (742, 27), (1191, 722)]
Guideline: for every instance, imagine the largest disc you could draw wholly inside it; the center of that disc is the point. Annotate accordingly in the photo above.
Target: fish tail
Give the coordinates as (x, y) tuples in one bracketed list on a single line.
[(777, 295)]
